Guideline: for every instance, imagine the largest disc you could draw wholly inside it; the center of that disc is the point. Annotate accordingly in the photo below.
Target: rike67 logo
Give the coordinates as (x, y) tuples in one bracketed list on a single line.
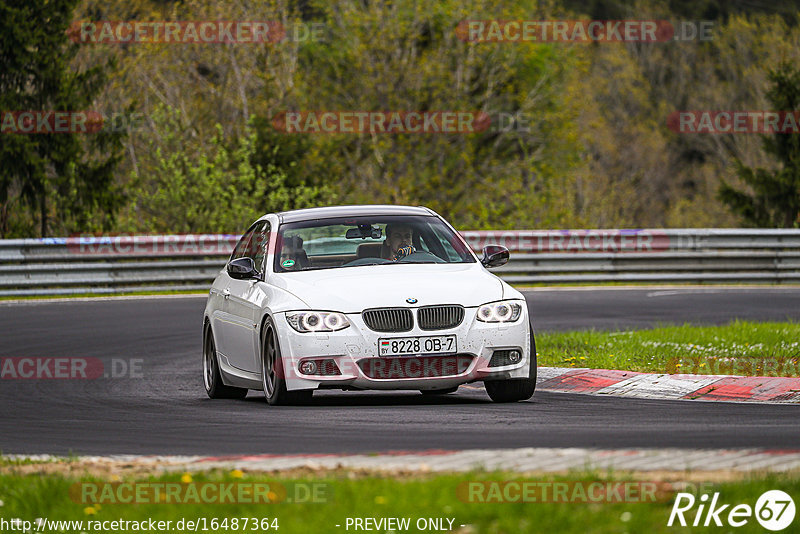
[(774, 510)]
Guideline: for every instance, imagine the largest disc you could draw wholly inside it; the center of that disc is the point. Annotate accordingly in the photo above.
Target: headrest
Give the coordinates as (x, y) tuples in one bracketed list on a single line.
[(369, 250)]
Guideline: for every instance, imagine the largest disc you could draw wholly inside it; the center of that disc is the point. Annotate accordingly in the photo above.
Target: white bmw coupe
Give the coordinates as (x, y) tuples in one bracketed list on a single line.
[(363, 297)]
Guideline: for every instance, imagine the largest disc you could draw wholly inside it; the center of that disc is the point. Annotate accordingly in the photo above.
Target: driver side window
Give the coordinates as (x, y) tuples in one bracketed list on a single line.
[(240, 251), (257, 247)]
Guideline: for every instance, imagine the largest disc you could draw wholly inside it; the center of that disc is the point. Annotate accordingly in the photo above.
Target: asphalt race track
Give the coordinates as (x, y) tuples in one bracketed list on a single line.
[(166, 411)]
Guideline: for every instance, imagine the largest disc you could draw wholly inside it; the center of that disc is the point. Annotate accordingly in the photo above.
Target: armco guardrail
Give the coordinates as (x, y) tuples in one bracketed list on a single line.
[(116, 264)]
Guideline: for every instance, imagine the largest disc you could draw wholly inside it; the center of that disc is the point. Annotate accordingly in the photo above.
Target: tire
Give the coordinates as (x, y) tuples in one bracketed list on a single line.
[(212, 378), (439, 391), (515, 389), (272, 373)]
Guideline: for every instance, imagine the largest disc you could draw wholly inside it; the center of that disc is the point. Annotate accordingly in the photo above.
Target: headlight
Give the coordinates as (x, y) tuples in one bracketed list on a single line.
[(504, 311), (314, 321)]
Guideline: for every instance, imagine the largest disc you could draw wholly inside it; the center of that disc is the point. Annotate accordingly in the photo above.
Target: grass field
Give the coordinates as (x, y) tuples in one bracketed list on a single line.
[(738, 348), (340, 495)]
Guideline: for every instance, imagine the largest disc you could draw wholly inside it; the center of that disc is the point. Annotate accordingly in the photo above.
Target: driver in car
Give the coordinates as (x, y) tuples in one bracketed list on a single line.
[(398, 243)]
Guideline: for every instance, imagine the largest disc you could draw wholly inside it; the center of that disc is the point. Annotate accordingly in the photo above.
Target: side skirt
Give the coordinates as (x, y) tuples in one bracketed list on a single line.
[(231, 376)]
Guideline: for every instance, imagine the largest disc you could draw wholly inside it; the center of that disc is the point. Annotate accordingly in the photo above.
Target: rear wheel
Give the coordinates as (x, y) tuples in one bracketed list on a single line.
[(515, 389), (273, 377), (212, 378)]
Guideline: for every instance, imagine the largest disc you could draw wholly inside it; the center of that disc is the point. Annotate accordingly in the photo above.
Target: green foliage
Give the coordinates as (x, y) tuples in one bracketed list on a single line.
[(406, 56), (218, 189), (311, 182), (738, 348), (593, 149), (65, 182), (775, 197), (689, 9)]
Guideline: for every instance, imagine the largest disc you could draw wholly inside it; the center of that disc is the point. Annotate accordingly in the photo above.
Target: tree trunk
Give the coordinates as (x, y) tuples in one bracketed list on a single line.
[(43, 214)]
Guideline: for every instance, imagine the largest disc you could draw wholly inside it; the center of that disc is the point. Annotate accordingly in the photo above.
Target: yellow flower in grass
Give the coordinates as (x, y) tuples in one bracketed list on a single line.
[(89, 510), (237, 473), (186, 478)]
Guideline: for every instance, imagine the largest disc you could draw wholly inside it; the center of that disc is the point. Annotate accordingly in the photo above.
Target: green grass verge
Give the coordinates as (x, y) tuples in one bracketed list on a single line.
[(739, 348), (32, 496)]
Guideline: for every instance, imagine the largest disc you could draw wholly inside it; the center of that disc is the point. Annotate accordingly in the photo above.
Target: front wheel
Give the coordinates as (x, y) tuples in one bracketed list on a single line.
[(515, 389), (273, 377), (212, 378)]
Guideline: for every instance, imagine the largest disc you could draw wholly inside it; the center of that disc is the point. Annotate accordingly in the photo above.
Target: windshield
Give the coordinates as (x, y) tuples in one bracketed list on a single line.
[(365, 240)]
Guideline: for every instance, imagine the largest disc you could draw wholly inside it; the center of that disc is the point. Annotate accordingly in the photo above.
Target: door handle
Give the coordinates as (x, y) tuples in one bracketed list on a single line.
[(226, 293)]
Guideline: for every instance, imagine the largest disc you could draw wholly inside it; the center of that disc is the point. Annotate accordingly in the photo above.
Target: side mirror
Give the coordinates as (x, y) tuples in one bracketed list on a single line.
[(242, 269), (494, 256)]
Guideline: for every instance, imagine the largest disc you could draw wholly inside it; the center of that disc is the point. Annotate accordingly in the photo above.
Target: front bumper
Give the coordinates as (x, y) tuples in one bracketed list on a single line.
[(354, 347)]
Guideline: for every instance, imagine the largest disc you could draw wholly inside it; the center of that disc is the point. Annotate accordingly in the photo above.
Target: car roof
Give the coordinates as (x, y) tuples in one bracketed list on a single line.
[(350, 211)]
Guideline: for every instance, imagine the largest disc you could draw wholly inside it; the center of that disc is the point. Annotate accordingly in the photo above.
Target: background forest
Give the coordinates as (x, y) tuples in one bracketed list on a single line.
[(195, 150)]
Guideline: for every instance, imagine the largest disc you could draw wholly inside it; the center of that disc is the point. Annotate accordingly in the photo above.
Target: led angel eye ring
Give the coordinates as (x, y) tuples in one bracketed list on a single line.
[(333, 321), (312, 321)]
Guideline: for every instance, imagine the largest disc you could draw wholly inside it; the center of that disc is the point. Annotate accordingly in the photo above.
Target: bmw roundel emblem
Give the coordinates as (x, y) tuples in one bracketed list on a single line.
[(411, 300)]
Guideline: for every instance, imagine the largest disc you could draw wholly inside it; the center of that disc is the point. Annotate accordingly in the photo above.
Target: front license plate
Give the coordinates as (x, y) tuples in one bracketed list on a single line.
[(401, 346)]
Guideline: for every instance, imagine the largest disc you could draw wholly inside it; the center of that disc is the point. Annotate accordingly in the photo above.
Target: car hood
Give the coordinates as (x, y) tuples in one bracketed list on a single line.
[(353, 289)]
